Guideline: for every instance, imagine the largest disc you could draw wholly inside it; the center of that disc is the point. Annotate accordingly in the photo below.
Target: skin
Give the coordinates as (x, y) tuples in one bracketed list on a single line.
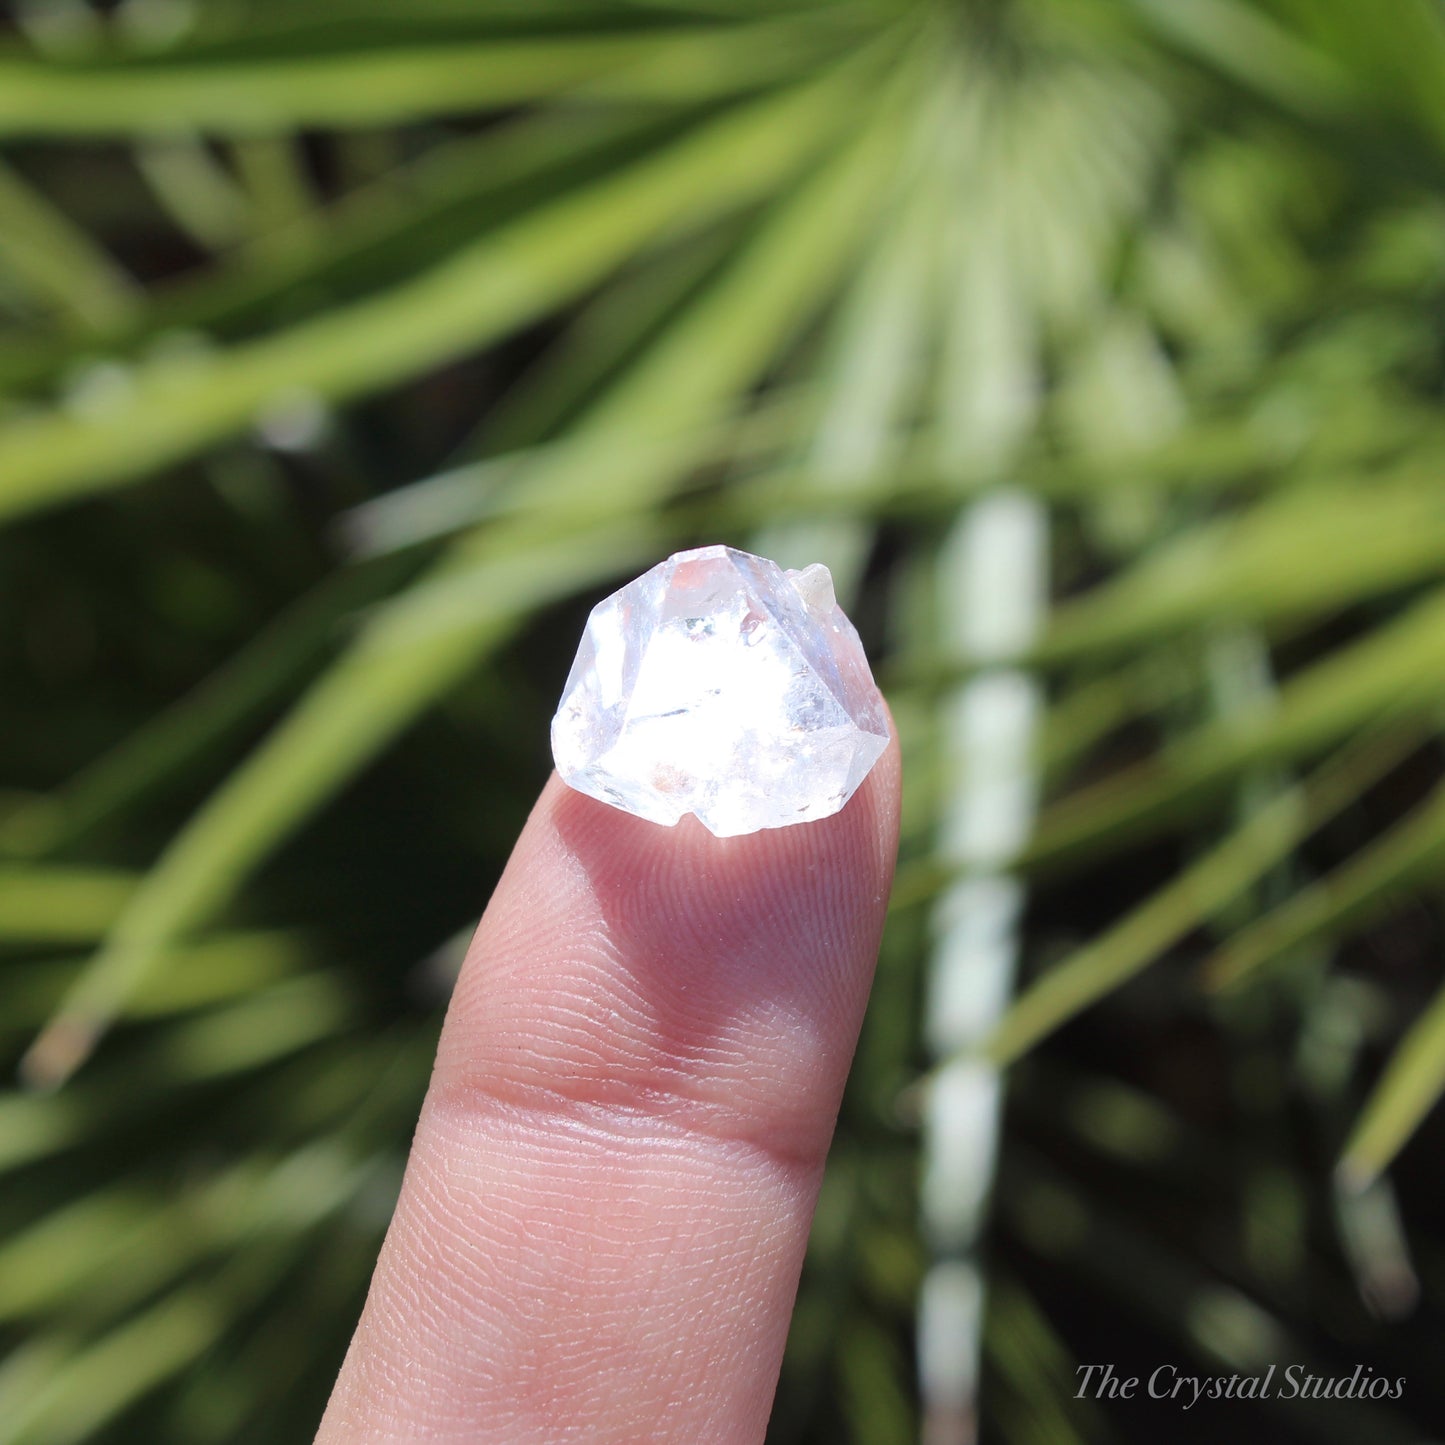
[(609, 1194)]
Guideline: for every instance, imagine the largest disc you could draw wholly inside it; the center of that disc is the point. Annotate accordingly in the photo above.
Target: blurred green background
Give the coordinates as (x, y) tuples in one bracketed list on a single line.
[(350, 350)]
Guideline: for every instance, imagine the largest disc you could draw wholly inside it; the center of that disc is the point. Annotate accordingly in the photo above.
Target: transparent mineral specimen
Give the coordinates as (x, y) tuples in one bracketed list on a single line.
[(720, 685)]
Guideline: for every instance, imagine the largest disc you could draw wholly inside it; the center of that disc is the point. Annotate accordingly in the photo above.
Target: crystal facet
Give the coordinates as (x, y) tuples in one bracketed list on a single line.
[(720, 685)]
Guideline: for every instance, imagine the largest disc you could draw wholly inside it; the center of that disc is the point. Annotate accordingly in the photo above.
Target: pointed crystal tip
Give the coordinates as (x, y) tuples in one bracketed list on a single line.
[(719, 685)]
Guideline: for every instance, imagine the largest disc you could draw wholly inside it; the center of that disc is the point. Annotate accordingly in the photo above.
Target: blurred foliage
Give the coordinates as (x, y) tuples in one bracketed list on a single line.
[(351, 349)]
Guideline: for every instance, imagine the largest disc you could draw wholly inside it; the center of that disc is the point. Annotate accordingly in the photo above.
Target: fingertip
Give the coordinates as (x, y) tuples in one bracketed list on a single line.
[(722, 981), (806, 890)]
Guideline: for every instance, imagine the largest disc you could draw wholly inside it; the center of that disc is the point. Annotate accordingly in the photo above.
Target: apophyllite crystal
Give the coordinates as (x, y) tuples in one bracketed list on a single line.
[(720, 685)]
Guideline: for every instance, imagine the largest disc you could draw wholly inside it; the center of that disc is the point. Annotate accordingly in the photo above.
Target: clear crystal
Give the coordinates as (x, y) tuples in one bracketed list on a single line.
[(720, 685)]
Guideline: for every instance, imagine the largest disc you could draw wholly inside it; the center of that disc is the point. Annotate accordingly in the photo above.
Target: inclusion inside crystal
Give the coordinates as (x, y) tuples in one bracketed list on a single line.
[(720, 685)]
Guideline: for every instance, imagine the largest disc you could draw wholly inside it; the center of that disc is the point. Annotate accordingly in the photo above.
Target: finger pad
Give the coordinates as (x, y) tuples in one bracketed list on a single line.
[(720, 980)]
